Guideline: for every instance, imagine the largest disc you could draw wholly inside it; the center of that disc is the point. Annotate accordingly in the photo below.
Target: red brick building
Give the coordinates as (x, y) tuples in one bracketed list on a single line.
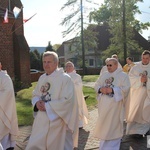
[(14, 49)]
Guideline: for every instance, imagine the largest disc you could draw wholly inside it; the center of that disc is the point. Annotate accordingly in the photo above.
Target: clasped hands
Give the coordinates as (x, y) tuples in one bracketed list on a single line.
[(40, 105), (144, 78), (106, 90)]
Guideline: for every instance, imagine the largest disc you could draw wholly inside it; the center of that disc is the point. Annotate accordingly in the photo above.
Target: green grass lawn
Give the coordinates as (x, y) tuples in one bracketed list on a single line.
[(24, 106), (90, 78), (91, 100)]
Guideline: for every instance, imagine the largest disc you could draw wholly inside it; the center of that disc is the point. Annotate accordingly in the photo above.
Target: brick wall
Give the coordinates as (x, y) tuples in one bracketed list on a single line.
[(6, 48), (35, 76), (14, 49)]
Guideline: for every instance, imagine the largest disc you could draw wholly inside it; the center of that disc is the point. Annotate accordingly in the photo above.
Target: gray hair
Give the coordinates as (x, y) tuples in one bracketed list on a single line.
[(114, 60), (106, 60), (49, 53)]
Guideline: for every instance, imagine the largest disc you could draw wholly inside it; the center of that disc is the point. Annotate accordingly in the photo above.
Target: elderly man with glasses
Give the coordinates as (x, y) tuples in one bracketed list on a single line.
[(112, 88)]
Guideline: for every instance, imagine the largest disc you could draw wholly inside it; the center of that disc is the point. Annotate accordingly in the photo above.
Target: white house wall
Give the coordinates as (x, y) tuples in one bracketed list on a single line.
[(69, 53)]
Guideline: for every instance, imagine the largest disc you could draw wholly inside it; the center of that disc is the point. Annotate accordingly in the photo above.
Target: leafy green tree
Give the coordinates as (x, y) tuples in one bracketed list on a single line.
[(120, 16), (56, 46), (90, 37), (76, 23), (49, 47), (35, 60), (91, 43), (73, 20), (101, 15), (37, 54)]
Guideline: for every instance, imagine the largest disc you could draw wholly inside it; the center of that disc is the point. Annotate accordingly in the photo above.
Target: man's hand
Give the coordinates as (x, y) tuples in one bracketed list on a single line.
[(109, 90), (41, 105), (143, 78), (106, 90), (103, 90)]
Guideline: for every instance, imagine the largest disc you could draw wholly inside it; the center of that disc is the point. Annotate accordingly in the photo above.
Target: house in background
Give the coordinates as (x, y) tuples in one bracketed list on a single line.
[(69, 50), (14, 49), (104, 41)]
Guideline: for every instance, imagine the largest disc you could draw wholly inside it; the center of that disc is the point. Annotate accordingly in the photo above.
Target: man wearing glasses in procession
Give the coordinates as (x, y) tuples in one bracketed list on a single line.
[(112, 88)]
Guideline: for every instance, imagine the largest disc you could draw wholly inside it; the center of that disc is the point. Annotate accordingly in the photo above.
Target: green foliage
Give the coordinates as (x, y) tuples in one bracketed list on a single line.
[(56, 46), (100, 16), (69, 3), (49, 47), (35, 60), (90, 38), (73, 20), (17, 84), (122, 30), (121, 19), (37, 54)]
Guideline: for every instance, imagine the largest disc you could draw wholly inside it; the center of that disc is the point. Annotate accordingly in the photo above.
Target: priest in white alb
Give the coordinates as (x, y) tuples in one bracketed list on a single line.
[(82, 107), (138, 104), (8, 115), (112, 88), (56, 111)]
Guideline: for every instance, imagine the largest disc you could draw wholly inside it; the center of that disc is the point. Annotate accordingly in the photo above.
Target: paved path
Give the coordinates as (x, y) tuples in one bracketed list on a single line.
[(86, 140)]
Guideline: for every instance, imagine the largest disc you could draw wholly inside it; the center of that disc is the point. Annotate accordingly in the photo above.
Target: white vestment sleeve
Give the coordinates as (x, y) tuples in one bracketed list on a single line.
[(117, 94), (51, 114), (99, 94), (35, 99), (135, 79)]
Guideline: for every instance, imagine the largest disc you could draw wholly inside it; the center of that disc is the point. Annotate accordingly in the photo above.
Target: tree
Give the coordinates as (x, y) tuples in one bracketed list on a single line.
[(56, 46), (75, 22), (120, 16), (90, 41), (49, 47), (37, 54), (101, 15), (90, 37), (35, 60)]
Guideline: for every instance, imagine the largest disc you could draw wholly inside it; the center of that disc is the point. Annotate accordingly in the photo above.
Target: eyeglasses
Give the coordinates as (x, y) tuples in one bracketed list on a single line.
[(109, 65)]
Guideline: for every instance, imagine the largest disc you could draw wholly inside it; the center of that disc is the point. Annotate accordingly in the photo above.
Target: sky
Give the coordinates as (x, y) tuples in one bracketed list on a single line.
[(45, 25)]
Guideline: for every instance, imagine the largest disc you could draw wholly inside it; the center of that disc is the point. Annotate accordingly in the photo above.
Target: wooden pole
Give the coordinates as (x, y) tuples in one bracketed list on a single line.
[(82, 40), (124, 32)]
